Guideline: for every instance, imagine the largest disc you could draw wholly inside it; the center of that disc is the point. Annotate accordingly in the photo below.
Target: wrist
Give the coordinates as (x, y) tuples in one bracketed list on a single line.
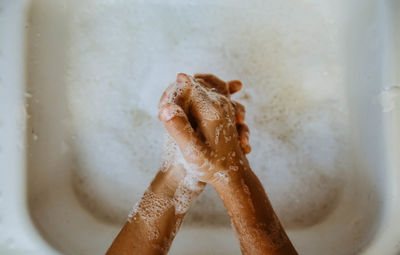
[(233, 177), (167, 180)]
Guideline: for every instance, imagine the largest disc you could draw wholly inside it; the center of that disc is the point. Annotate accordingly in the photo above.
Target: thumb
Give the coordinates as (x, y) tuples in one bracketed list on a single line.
[(179, 128)]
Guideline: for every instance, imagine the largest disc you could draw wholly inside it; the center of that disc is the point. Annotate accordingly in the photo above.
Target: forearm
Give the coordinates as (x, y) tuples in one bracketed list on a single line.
[(257, 226), (139, 237), (152, 226)]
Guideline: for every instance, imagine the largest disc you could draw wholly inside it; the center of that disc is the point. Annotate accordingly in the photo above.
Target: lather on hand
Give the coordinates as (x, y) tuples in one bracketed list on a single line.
[(202, 120), (152, 226)]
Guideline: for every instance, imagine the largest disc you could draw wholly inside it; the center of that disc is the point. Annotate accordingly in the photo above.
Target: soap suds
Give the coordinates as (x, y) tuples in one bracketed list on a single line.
[(122, 57), (222, 175), (151, 207), (131, 215), (186, 193)]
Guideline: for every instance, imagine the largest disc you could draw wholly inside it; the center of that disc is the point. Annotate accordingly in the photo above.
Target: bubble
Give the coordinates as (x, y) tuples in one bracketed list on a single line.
[(222, 175), (291, 74)]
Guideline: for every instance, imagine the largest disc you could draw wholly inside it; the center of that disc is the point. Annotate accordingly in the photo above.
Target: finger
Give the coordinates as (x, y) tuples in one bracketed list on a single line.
[(240, 112), (244, 133), (234, 86), (179, 128), (181, 94), (219, 85), (165, 97), (246, 149), (204, 83), (205, 113), (178, 92)]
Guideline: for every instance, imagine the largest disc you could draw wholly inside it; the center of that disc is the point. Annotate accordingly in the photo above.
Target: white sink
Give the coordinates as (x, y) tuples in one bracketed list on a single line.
[(67, 67)]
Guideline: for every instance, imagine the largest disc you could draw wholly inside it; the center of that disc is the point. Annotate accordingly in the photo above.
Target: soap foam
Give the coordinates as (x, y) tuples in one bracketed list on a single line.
[(123, 56), (152, 207)]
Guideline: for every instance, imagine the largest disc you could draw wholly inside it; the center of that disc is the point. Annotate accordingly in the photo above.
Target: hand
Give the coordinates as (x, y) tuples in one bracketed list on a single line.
[(217, 147), (209, 130), (227, 89)]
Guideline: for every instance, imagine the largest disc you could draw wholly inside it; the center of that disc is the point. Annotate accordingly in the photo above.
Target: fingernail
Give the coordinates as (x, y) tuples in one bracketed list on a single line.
[(247, 149), (181, 77)]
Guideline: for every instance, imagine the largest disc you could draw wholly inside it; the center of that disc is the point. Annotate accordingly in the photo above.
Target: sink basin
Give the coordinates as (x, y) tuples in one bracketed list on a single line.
[(80, 140)]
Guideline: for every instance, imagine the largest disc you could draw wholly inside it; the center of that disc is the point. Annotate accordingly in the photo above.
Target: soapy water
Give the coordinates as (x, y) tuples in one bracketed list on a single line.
[(123, 56)]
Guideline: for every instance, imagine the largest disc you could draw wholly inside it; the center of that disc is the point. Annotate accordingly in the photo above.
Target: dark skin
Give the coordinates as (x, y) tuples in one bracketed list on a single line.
[(133, 238), (209, 129)]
